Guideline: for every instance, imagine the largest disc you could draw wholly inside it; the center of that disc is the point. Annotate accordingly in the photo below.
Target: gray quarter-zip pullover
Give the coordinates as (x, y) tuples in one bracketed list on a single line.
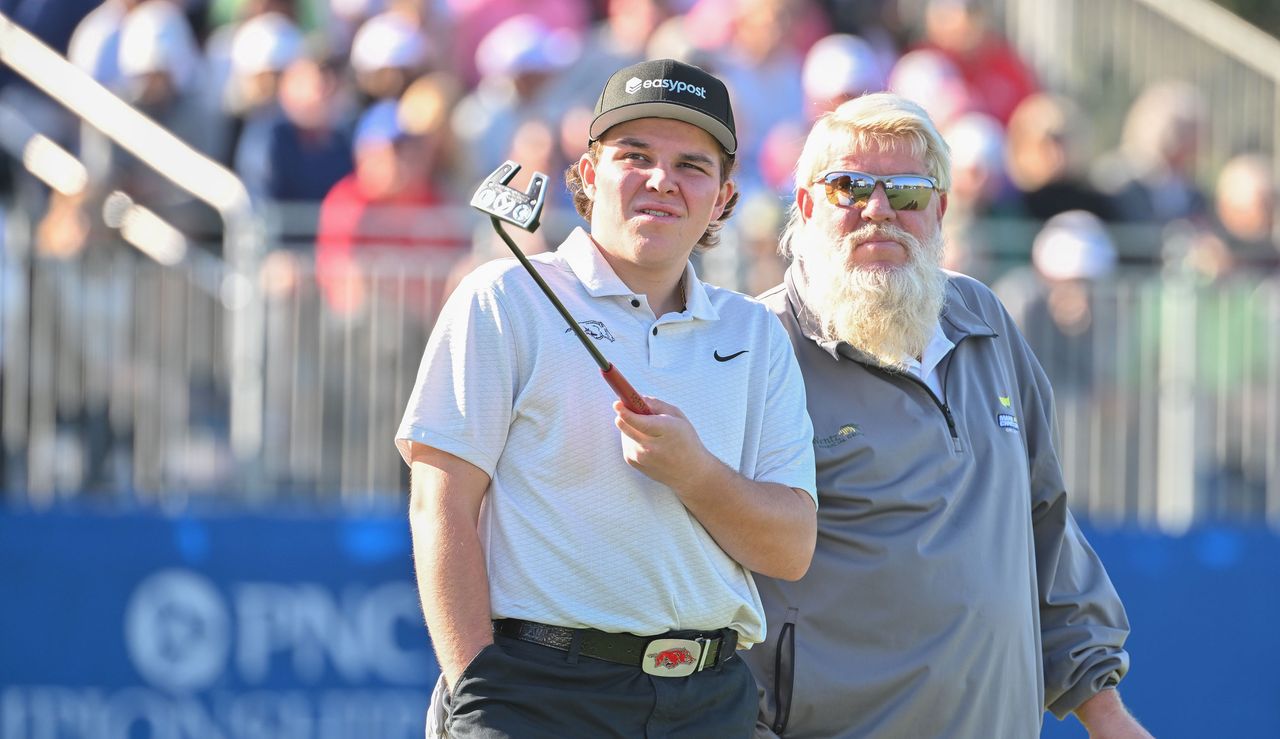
[(952, 593)]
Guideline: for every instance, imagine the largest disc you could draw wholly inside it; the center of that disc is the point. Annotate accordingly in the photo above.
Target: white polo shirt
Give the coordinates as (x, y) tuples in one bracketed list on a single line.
[(573, 536)]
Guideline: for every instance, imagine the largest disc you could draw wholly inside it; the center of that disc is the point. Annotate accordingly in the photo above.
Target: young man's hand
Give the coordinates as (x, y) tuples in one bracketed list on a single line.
[(766, 527), (663, 445)]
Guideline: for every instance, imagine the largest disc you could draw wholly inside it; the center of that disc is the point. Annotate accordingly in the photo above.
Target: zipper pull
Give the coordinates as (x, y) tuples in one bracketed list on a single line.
[(951, 426)]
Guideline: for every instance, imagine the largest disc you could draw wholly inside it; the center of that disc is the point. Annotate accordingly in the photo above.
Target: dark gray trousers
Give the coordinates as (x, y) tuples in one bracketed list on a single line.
[(517, 690)]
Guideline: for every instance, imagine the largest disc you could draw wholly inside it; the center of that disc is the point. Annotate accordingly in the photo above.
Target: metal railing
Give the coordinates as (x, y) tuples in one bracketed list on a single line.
[(192, 172), (117, 385), (119, 381), (1167, 392)]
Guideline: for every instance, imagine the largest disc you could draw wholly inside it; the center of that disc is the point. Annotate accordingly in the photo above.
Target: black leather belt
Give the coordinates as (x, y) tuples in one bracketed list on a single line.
[(673, 654)]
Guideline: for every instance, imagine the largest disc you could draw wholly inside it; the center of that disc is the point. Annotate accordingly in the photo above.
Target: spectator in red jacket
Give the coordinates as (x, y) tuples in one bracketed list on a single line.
[(389, 217), (994, 72)]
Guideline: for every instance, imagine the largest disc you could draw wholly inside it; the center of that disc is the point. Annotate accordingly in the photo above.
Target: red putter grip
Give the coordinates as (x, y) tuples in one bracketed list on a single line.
[(630, 398)]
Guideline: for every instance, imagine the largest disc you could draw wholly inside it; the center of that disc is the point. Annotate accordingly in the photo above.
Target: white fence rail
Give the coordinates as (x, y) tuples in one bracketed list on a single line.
[(117, 384)]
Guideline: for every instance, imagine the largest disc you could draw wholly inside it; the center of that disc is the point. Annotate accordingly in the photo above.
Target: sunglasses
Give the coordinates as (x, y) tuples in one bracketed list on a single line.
[(854, 189)]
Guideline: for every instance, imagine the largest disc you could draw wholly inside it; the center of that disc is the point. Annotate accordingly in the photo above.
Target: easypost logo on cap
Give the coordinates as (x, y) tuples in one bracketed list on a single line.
[(635, 84)]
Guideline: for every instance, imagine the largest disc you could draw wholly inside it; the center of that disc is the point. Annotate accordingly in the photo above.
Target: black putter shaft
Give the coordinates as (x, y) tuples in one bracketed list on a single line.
[(630, 398)]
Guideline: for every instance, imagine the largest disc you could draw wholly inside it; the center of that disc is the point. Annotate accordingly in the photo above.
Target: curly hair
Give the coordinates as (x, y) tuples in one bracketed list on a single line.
[(710, 237)]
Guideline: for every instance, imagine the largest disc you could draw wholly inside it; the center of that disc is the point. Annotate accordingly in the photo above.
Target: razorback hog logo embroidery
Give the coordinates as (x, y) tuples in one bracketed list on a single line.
[(671, 658), (594, 329)]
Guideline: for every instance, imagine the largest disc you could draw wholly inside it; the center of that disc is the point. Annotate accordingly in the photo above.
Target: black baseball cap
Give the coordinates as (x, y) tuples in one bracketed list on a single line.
[(666, 88)]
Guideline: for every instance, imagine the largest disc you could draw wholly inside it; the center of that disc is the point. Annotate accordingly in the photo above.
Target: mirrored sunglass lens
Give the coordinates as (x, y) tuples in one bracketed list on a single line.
[(847, 191), (853, 190), (908, 193)]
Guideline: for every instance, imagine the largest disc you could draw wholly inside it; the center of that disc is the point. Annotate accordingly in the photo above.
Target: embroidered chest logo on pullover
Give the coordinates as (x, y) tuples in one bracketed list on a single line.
[(1004, 418), (845, 433)]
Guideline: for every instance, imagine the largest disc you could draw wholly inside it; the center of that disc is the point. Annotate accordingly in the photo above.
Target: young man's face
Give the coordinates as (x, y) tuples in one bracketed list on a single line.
[(654, 190)]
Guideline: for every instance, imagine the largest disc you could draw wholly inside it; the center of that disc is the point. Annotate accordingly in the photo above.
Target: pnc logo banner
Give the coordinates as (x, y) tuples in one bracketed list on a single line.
[(635, 84)]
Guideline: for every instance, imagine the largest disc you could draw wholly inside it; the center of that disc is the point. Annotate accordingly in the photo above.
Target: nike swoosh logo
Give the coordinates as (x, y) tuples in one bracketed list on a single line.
[(719, 358)]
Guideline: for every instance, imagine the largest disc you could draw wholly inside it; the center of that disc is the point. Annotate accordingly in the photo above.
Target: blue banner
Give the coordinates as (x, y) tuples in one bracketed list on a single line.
[(1204, 644), (143, 626), (123, 626)]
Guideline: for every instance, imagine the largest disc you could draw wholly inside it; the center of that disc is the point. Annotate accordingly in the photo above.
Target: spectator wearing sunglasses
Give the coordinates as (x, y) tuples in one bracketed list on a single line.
[(952, 593)]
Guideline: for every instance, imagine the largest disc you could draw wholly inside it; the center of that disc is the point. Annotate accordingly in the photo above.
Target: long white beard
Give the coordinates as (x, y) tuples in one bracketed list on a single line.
[(888, 314)]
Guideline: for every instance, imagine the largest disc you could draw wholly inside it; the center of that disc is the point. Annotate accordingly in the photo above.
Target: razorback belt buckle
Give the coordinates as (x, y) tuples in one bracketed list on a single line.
[(674, 657)]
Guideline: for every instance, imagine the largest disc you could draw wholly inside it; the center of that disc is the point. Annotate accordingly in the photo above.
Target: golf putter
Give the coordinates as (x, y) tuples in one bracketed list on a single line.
[(523, 209)]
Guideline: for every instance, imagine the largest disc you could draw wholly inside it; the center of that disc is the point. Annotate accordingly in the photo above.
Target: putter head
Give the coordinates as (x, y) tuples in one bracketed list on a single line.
[(522, 209)]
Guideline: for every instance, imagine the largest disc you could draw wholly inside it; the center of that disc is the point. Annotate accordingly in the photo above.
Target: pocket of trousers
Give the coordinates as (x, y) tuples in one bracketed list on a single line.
[(784, 672), (472, 667), (455, 696)]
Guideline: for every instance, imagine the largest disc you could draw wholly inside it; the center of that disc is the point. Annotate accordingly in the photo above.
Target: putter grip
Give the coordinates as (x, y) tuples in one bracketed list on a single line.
[(630, 398)]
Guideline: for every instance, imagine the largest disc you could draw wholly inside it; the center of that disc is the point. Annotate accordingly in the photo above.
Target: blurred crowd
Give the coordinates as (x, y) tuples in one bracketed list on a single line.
[(370, 122), (381, 111)]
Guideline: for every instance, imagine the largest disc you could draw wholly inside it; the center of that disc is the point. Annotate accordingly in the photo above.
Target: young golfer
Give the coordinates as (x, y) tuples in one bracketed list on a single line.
[(586, 570)]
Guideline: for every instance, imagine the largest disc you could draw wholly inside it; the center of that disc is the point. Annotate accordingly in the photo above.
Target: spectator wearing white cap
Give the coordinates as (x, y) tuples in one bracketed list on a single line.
[(519, 61), (1052, 299), (837, 68), (387, 53), (158, 53), (261, 49), (1055, 301), (985, 208), (158, 60), (1074, 246), (470, 21), (95, 44), (95, 48), (929, 78), (223, 73)]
